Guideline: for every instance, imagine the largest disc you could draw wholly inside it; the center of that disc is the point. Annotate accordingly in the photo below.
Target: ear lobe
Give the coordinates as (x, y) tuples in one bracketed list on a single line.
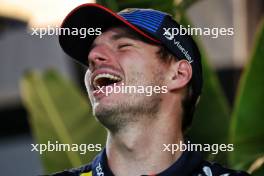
[(180, 75)]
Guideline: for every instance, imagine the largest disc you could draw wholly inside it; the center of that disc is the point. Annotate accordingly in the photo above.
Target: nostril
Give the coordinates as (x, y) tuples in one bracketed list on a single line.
[(100, 59)]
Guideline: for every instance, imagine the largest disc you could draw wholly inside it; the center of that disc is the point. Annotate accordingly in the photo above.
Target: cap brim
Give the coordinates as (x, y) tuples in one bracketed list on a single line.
[(89, 16)]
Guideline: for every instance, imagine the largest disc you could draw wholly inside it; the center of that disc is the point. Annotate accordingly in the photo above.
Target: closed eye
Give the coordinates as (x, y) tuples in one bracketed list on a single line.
[(120, 46)]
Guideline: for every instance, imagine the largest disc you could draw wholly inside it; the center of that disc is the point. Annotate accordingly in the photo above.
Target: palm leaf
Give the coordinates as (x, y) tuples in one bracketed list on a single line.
[(211, 120), (247, 132), (59, 112)]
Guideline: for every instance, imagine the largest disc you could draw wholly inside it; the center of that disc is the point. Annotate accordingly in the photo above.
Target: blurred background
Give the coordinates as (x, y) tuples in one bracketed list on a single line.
[(20, 52)]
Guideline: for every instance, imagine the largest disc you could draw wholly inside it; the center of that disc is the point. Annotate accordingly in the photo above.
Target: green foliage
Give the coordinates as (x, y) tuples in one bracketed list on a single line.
[(217, 131), (247, 132), (211, 120), (111, 4), (259, 171), (167, 6), (59, 112)]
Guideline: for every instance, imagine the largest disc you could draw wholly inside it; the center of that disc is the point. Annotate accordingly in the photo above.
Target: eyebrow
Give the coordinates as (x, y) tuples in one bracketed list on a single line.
[(118, 36), (123, 35)]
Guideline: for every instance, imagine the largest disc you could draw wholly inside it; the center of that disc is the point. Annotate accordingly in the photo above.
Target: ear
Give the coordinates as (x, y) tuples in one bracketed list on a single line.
[(180, 73)]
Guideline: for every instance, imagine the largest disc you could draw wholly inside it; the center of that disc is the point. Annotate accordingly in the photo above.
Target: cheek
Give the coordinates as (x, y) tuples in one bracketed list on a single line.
[(135, 70), (139, 65), (134, 62)]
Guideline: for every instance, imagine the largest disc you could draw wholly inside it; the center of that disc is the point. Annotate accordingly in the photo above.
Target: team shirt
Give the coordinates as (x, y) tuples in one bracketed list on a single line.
[(189, 164)]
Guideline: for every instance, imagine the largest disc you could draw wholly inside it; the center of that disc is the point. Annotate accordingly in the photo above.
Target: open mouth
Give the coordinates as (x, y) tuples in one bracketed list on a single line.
[(105, 79)]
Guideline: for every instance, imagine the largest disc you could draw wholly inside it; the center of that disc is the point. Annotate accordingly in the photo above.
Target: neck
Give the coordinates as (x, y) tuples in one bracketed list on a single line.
[(138, 149)]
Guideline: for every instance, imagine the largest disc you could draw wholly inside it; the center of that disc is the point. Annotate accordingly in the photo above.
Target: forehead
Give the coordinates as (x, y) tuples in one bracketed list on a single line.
[(110, 34), (116, 33)]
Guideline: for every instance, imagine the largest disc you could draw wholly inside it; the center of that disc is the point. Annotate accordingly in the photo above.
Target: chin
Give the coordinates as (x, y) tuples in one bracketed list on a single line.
[(108, 116), (105, 106)]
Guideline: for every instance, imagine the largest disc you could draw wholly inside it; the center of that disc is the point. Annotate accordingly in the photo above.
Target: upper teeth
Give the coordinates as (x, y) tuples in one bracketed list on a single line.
[(105, 75)]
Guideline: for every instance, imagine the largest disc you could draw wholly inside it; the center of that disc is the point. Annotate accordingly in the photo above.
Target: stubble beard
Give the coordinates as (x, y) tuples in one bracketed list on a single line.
[(132, 108)]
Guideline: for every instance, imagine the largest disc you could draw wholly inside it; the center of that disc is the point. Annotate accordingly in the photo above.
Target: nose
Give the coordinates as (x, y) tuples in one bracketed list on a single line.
[(97, 56)]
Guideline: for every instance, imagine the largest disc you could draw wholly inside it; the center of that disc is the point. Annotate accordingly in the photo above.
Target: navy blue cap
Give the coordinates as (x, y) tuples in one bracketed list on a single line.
[(149, 23)]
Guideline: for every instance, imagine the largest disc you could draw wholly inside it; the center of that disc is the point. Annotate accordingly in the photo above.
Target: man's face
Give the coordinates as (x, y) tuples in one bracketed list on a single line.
[(117, 58)]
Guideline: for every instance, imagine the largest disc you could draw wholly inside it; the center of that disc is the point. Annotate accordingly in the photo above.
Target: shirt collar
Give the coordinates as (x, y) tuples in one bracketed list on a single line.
[(100, 166), (184, 166)]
